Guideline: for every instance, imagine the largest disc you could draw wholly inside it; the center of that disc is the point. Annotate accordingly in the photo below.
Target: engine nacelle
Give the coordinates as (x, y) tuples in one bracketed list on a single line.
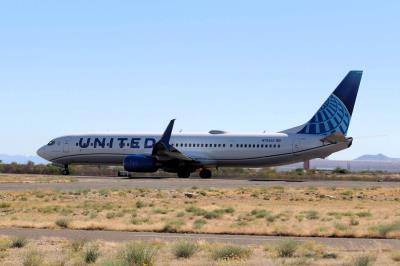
[(140, 163)]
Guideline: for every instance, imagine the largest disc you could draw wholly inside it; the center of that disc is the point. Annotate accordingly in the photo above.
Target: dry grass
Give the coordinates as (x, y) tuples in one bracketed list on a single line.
[(25, 178), (54, 251), (367, 212)]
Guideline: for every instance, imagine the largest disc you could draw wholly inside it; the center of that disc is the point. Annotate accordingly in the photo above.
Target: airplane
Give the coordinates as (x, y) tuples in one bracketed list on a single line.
[(183, 153)]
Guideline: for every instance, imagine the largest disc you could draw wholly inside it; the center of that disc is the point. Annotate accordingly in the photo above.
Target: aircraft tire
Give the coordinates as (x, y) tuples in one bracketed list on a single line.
[(205, 173), (183, 174)]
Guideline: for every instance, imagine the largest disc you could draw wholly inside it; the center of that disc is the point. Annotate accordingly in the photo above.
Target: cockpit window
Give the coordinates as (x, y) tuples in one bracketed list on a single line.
[(51, 142)]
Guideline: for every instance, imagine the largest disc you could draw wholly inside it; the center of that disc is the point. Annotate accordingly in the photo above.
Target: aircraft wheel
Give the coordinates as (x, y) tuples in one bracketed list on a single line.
[(205, 173), (65, 170), (183, 174)]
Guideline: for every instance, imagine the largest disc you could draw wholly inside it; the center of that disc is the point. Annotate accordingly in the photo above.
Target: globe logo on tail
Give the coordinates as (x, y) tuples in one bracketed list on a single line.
[(332, 117)]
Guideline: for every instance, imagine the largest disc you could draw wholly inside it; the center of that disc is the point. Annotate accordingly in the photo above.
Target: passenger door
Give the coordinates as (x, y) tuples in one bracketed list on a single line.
[(65, 146)]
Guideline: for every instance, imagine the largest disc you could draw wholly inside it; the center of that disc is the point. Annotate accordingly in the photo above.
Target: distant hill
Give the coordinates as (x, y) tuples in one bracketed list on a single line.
[(5, 158), (376, 157)]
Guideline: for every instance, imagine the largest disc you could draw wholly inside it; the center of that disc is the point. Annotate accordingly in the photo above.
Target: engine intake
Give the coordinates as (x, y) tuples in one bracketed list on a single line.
[(140, 163)]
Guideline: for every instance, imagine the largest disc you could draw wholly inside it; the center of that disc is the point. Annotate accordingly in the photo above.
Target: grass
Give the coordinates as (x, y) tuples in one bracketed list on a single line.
[(4, 205), (18, 242), (77, 244), (363, 260), (59, 251), (63, 222), (198, 224), (139, 253), (91, 254), (261, 211), (384, 229), (185, 249), (286, 248), (230, 252), (173, 226), (32, 258)]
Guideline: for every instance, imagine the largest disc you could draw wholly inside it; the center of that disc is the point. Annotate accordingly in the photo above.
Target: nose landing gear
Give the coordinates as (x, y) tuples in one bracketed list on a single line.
[(65, 170)]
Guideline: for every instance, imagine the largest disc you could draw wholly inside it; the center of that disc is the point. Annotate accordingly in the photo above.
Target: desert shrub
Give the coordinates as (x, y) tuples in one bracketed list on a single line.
[(311, 215), (91, 254), (354, 221), (137, 220), (215, 214), (310, 249), (18, 242), (185, 249), (139, 253), (4, 205), (229, 210), (363, 260), (196, 211), (140, 204), (395, 256), (197, 224), (110, 215), (329, 255), (364, 214), (180, 214), (160, 211), (77, 244), (32, 258), (260, 213), (339, 170), (173, 226), (63, 222), (341, 226), (286, 248), (384, 229), (229, 252)]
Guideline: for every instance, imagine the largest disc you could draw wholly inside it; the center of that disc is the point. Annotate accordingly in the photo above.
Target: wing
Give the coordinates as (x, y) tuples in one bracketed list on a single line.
[(164, 152)]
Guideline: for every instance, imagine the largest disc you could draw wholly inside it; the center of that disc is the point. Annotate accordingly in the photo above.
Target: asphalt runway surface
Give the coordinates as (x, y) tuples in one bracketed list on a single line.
[(342, 243), (177, 183)]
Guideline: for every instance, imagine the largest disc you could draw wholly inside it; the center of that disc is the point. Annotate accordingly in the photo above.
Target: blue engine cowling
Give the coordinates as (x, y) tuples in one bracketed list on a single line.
[(140, 163)]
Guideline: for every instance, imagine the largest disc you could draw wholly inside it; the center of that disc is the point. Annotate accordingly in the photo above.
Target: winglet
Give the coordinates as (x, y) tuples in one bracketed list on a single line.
[(167, 133)]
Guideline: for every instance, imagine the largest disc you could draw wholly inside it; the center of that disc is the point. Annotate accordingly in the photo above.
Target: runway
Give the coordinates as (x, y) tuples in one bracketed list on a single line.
[(177, 183), (342, 243)]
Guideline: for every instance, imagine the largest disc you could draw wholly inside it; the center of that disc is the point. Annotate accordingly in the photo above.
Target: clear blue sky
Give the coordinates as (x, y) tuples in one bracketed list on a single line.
[(246, 66)]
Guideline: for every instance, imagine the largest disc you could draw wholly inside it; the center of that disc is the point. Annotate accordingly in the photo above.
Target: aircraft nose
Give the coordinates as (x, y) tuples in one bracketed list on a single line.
[(42, 152)]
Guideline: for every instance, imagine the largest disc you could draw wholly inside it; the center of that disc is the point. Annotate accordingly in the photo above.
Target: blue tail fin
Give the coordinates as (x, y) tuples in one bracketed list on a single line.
[(335, 114)]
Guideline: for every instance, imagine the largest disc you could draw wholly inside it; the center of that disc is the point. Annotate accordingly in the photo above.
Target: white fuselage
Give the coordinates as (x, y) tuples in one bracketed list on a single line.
[(242, 150)]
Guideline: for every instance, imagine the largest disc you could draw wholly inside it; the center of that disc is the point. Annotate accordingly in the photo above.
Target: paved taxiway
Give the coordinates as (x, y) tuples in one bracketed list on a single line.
[(176, 183), (344, 243)]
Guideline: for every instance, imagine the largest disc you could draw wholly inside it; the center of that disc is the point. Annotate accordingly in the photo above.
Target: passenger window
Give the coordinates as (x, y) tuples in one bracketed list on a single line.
[(270, 145), (202, 144), (219, 145), (274, 145), (241, 145), (262, 145), (206, 145), (245, 145), (279, 145), (185, 144)]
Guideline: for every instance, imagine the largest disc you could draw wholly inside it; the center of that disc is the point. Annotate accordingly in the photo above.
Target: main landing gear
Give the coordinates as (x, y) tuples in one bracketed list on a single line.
[(65, 170), (205, 173), (183, 173)]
